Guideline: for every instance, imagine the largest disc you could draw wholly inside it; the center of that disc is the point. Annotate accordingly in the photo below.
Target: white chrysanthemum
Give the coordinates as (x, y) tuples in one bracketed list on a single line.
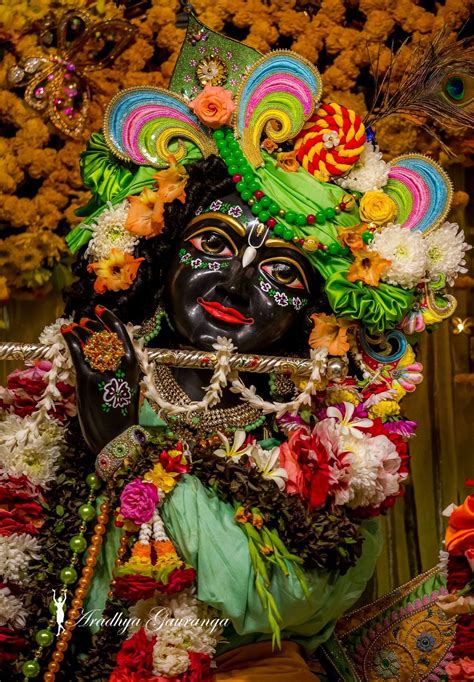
[(109, 232), (372, 474), (369, 173), (169, 660), (16, 553), (445, 252), (407, 252), (12, 613), (37, 458)]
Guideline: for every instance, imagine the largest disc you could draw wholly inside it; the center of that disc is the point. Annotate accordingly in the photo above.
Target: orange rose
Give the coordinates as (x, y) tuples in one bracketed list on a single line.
[(268, 145), (460, 530), (288, 161), (331, 333), (115, 273), (213, 106)]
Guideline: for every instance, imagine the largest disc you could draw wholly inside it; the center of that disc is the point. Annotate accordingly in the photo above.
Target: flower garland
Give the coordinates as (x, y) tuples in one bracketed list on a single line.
[(156, 578), (457, 562), (36, 405), (213, 392)]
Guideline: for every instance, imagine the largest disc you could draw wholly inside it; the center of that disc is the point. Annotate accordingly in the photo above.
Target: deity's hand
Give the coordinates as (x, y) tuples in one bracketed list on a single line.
[(107, 377)]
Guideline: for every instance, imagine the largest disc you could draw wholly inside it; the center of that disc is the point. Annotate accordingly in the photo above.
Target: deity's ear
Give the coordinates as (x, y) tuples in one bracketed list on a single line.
[(146, 125), (276, 97)]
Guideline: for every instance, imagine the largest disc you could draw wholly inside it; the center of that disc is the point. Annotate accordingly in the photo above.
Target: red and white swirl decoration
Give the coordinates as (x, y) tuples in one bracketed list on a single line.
[(331, 141)]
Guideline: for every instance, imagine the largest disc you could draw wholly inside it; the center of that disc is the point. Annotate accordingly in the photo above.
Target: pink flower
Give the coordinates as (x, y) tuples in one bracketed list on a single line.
[(138, 501), (26, 386), (213, 106)]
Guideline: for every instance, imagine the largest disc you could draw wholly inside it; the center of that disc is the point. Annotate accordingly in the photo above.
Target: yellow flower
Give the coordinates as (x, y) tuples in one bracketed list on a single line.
[(377, 207), (161, 478), (385, 408), (341, 395)]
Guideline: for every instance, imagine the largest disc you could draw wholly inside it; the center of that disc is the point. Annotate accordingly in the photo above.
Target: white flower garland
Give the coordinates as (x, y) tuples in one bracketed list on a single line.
[(62, 371), (223, 347), (318, 358)]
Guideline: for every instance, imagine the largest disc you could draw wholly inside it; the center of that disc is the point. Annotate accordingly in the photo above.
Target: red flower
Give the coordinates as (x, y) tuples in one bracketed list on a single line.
[(178, 580), (126, 676), (311, 456), (134, 587), (464, 637), (174, 463), (199, 668), (19, 512), (459, 572), (10, 644), (136, 654)]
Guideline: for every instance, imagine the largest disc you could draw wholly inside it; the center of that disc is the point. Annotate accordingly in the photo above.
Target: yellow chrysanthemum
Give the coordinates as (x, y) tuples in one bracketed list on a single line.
[(383, 409), (341, 395)]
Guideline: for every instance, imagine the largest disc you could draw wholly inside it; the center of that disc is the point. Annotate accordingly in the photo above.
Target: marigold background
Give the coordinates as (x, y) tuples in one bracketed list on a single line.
[(40, 185)]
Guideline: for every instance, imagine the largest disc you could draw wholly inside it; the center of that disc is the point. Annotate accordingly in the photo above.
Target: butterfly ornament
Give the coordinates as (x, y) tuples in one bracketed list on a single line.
[(56, 80)]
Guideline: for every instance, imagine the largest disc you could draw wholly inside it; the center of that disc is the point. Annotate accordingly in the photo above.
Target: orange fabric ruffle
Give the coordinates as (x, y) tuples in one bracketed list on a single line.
[(258, 663), (460, 530)]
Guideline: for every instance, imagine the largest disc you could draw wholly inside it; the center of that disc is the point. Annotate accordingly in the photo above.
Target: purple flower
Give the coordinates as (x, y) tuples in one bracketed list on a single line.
[(214, 266), (187, 78), (117, 393), (265, 286), (281, 299), (215, 206), (198, 211), (403, 427), (196, 263), (138, 501), (235, 211), (297, 303), (193, 62)]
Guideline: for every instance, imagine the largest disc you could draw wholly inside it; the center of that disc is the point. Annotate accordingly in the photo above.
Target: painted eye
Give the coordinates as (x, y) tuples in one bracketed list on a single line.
[(284, 273), (212, 243)]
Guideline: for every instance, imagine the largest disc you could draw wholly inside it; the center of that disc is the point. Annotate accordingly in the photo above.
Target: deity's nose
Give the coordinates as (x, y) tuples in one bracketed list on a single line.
[(237, 283)]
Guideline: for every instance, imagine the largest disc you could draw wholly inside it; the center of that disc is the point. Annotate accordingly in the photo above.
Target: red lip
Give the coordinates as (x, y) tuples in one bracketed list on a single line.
[(220, 312)]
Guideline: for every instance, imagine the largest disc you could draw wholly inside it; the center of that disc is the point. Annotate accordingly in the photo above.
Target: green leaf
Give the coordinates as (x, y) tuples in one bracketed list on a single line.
[(59, 510)]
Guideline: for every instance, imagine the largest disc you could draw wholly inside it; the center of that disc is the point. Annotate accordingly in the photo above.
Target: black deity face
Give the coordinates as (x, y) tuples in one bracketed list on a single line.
[(230, 277)]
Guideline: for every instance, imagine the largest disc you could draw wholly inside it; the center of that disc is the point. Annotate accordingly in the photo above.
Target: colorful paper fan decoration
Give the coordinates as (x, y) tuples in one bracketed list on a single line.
[(146, 124), (331, 142), (422, 191), (276, 97)]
